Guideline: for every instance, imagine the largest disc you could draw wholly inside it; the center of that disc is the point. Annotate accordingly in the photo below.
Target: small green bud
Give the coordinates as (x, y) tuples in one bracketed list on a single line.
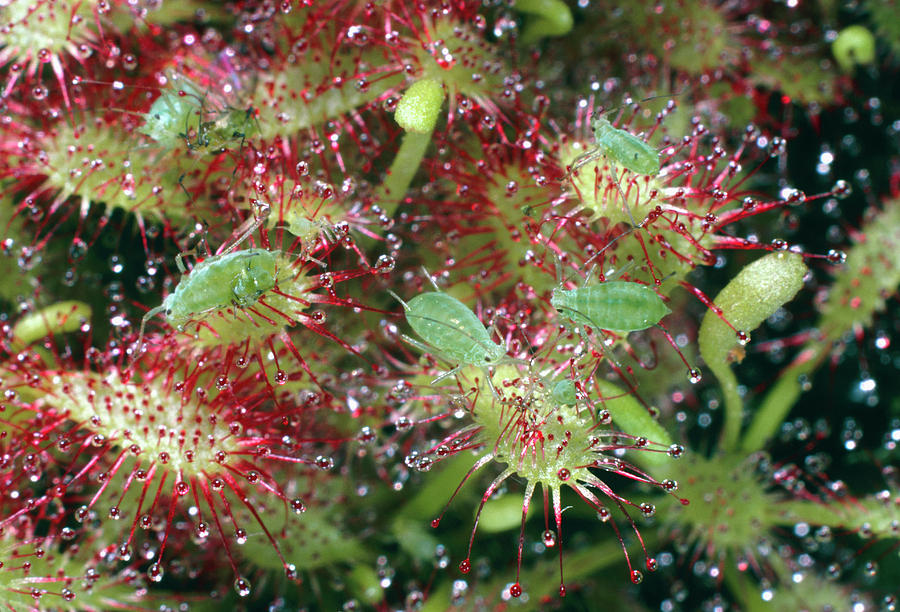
[(854, 45), (549, 18), (420, 106)]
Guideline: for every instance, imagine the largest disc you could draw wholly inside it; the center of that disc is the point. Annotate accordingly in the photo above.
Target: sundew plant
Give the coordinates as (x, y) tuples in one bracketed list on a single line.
[(493, 305)]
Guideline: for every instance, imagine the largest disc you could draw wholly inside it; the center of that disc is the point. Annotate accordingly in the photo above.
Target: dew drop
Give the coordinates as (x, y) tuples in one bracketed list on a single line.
[(77, 250), (836, 257), (669, 485), (675, 451), (390, 104), (385, 264), (515, 590), (155, 573), (694, 375), (636, 577), (240, 536), (465, 565), (281, 377), (549, 538), (742, 337), (842, 189), (298, 506), (242, 586)]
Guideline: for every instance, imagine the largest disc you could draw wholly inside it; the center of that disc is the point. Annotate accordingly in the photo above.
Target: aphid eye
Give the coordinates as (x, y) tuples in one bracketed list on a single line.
[(168, 311), (487, 358)]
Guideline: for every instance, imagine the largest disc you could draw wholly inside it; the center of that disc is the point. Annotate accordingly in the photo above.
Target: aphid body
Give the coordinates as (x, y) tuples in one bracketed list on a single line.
[(623, 148), (617, 306), (564, 393), (452, 329), (234, 279)]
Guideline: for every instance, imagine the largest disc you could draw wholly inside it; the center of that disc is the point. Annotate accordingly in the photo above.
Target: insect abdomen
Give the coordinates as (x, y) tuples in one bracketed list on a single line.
[(617, 306)]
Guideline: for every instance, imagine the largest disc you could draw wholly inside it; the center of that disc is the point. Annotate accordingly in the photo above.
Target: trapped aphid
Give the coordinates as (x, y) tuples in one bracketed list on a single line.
[(617, 306), (564, 392), (227, 279), (621, 147), (451, 331), (623, 150)]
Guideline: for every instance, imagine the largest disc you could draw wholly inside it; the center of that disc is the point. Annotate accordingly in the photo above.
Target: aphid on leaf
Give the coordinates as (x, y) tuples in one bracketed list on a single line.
[(226, 279), (617, 306), (621, 147), (451, 331), (623, 150)]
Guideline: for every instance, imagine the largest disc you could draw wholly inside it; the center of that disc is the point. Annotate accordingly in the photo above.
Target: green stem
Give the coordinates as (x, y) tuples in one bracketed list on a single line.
[(782, 397), (402, 171), (417, 113)]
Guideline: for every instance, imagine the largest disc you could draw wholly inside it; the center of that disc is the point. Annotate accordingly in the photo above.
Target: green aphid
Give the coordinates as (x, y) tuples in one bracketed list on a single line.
[(230, 279), (451, 331), (620, 147), (616, 306)]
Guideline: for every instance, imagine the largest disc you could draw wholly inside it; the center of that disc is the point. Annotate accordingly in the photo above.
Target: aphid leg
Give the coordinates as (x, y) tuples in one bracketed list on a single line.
[(202, 247), (399, 299), (245, 229), (617, 273), (430, 280), (179, 261), (416, 344), (582, 160), (487, 378), (625, 206), (559, 271), (444, 375), (147, 316), (599, 341), (183, 188)]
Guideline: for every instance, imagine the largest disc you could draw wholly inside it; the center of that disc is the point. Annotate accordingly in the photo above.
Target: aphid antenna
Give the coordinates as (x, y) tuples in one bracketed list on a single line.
[(558, 259), (629, 102), (137, 349)]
